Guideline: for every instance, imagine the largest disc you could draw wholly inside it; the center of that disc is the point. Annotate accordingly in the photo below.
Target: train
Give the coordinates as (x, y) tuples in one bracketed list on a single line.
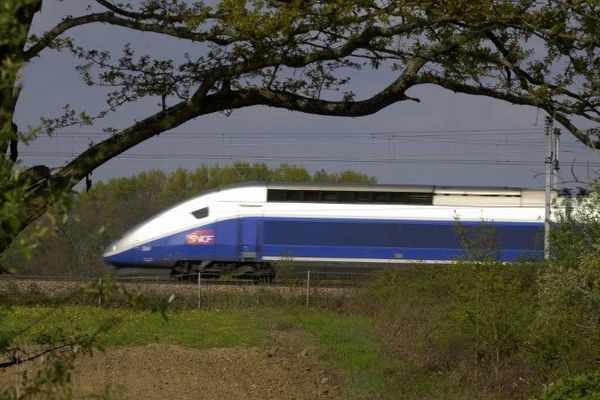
[(243, 230)]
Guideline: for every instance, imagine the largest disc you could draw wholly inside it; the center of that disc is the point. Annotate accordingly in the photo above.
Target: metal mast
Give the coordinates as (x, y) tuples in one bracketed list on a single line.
[(551, 165)]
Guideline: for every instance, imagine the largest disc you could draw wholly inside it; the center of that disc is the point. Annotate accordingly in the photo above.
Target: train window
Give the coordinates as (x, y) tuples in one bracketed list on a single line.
[(381, 197), (201, 213), (346, 197), (399, 198), (363, 197), (276, 195), (419, 198), (312, 195), (294, 195), (329, 196)]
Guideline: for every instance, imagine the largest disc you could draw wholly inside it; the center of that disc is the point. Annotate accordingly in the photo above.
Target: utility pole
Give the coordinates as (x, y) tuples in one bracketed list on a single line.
[(551, 165)]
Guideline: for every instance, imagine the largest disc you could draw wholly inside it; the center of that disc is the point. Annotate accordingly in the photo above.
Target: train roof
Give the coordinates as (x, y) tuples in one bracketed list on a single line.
[(382, 194), (394, 188), (436, 189)]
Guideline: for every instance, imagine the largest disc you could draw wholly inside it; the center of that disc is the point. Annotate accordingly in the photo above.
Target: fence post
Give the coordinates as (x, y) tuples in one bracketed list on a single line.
[(199, 283), (307, 288), (100, 291)]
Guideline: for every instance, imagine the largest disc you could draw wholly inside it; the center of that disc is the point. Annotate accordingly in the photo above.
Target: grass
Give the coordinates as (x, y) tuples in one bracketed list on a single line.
[(350, 346), (347, 345), (194, 328)]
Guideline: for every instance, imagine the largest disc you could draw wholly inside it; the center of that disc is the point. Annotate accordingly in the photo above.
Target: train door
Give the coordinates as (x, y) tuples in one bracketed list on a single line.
[(250, 226)]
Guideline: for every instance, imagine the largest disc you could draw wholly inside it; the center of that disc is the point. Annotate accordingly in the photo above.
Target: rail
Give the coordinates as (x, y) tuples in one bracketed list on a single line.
[(307, 287)]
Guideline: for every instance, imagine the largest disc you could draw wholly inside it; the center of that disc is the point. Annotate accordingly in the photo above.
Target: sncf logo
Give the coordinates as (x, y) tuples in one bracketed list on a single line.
[(202, 236)]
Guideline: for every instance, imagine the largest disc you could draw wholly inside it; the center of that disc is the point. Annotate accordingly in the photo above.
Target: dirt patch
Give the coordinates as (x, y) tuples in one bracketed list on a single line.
[(162, 371)]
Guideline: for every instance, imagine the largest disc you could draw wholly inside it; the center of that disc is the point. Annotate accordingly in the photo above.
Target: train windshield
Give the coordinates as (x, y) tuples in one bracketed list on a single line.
[(165, 212), (200, 213)]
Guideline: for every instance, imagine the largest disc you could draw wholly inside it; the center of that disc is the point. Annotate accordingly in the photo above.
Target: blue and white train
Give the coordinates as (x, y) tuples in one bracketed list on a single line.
[(242, 229)]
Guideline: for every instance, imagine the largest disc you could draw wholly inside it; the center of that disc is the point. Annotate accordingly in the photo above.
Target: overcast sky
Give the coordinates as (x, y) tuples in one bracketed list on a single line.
[(446, 139)]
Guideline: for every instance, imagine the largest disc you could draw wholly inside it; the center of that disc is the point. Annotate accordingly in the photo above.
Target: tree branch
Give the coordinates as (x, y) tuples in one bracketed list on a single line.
[(549, 107), (110, 18)]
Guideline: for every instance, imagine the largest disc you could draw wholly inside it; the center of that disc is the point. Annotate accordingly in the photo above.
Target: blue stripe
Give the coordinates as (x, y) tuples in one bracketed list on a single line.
[(337, 238)]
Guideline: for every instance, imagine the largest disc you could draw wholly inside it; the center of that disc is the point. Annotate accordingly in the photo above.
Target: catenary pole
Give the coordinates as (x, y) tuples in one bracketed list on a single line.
[(551, 166), (548, 161)]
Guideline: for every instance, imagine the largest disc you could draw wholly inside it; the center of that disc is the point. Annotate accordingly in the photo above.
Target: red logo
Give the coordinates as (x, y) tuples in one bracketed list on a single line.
[(202, 236)]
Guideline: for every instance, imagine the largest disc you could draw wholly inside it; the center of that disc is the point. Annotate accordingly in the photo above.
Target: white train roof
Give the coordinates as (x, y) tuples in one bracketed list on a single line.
[(418, 194), (462, 190)]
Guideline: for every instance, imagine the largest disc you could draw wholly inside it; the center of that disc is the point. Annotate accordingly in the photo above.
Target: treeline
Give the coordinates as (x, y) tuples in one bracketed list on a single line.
[(103, 214)]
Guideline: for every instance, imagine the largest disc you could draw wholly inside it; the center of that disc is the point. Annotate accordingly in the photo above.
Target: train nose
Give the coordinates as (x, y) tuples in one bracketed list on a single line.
[(114, 257), (110, 250)]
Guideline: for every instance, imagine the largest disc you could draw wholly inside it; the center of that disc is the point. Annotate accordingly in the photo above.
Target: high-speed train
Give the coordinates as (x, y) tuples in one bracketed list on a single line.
[(242, 229)]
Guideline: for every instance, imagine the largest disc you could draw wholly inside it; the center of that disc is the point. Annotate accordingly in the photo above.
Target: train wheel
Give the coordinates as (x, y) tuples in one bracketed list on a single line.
[(270, 276), (210, 274), (181, 271), (264, 273), (244, 271)]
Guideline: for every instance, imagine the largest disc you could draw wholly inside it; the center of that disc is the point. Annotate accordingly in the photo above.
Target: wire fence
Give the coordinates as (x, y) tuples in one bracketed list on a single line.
[(198, 290)]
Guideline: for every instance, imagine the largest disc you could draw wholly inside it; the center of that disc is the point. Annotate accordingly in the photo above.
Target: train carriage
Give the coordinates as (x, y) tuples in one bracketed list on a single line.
[(242, 229)]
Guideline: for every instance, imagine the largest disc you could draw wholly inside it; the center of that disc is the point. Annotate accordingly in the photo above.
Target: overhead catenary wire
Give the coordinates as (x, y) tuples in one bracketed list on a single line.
[(405, 160), (506, 147), (521, 137), (399, 133)]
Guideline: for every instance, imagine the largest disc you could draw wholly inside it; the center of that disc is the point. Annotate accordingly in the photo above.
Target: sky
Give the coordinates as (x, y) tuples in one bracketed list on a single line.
[(445, 139)]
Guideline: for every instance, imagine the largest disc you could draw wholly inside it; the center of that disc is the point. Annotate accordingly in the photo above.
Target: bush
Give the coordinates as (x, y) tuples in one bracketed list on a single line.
[(567, 330), (492, 309), (580, 387), (468, 321)]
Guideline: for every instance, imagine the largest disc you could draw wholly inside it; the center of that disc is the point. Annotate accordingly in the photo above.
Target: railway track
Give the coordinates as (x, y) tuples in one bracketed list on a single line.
[(42, 290), (191, 281)]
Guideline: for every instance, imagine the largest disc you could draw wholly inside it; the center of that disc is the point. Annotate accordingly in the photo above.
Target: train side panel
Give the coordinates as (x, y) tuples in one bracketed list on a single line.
[(389, 241)]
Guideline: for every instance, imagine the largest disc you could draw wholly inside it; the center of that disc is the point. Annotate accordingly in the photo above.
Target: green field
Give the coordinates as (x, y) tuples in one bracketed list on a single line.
[(346, 345)]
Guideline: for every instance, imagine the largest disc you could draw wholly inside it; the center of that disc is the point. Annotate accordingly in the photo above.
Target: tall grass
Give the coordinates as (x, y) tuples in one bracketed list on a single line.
[(489, 328)]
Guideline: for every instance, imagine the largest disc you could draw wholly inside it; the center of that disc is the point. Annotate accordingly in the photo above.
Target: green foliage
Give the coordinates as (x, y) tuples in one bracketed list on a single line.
[(492, 309), (11, 192), (10, 209), (17, 207), (297, 54), (479, 241), (579, 387), (13, 34), (350, 346), (138, 327), (469, 322), (576, 233), (568, 321)]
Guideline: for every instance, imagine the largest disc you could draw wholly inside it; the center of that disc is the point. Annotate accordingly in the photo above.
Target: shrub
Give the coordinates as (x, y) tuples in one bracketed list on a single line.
[(492, 309), (566, 339), (580, 387)]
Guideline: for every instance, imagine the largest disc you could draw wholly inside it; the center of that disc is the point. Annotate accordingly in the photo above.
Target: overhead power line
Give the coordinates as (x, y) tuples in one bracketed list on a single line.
[(382, 160), (402, 133)]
